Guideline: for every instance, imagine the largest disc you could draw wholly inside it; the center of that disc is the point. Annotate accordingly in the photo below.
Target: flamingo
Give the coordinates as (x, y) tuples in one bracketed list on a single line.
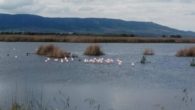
[(66, 60), (61, 60), (48, 59), (85, 60), (56, 59), (119, 61), (132, 64)]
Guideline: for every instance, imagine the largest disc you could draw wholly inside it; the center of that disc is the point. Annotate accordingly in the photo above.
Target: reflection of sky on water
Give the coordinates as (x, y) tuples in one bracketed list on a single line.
[(88, 96)]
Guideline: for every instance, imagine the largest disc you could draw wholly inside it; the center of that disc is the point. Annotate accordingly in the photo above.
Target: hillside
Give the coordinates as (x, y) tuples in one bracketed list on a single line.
[(32, 23)]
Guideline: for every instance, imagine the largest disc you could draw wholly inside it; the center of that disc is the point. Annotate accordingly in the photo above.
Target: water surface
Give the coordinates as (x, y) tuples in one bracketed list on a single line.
[(167, 83)]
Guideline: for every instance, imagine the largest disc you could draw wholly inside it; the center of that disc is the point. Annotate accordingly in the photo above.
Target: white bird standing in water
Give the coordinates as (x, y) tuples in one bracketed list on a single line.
[(132, 64), (48, 59), (61, 60), (56, 59), (66, 60), (119, 61), (85, 60)]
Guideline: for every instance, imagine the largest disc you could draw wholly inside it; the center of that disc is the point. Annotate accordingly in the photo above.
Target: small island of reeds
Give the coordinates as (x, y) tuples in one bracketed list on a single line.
[(93, 50), (186, 52), (52, 51), (148, 51)]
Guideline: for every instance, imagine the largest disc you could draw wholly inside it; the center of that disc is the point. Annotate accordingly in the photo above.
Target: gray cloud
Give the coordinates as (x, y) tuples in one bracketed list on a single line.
[(13, 4), (191, 13)]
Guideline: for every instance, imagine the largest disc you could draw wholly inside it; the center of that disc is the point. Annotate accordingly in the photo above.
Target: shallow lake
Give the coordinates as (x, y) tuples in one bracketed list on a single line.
[(166, 83)]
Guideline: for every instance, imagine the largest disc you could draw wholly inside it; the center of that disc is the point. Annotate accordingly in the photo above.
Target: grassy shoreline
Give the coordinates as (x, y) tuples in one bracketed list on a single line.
[(91, 39)]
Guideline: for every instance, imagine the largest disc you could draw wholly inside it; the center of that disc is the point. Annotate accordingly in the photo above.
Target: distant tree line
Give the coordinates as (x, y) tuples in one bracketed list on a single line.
[(32, 33), (66, 33), (87, 34), (171, 36)]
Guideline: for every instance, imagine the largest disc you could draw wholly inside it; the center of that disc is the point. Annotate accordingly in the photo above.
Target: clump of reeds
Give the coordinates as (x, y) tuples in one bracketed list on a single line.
[(16, 106), (148, 51), (52, 51), (186, 52), (93, 50)]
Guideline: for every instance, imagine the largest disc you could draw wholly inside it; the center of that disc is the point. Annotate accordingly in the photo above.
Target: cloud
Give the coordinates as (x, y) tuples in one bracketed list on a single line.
[(13, 4), (190, 13)]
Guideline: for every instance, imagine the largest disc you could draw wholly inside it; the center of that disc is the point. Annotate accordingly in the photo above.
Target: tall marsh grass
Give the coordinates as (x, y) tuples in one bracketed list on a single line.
[(148, 51), (91, 39), (93, 50), (186, 52), (52, 51), (16, 106)]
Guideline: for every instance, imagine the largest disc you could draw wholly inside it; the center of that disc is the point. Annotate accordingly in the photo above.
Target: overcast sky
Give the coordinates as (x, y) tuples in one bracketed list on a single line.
[(179, 14)]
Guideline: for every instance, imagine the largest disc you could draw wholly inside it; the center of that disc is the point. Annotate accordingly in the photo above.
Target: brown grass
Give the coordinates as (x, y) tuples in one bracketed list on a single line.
[(52, 51), (186, 52), (148, 51), (91, 39), (93, 50), (16, 106)]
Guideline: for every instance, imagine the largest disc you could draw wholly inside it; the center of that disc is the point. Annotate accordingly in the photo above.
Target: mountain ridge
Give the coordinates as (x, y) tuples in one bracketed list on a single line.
[(34, 23)]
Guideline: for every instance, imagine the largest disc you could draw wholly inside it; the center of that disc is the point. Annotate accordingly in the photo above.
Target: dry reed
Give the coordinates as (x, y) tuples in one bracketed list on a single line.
[(186, 52), (91, 39), (148, 51), (52, 51), (93, 50)]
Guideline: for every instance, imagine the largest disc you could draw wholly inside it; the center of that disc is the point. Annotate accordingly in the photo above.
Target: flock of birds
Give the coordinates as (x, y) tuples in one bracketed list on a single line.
[(99, 60), (88, 60), (103, 61), (62, 60)]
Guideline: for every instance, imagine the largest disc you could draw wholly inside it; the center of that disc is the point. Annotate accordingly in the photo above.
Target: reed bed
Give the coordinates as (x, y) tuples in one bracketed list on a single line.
[(90, 39), (93, 50), (148, 51), (186, 52), (52, 51), (16, 106)]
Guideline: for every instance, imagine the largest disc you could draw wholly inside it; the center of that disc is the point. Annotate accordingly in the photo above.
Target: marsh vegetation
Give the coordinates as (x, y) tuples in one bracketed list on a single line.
[(148, 51), (93, 50), (186, 52), (52, 51), (91, 39)]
